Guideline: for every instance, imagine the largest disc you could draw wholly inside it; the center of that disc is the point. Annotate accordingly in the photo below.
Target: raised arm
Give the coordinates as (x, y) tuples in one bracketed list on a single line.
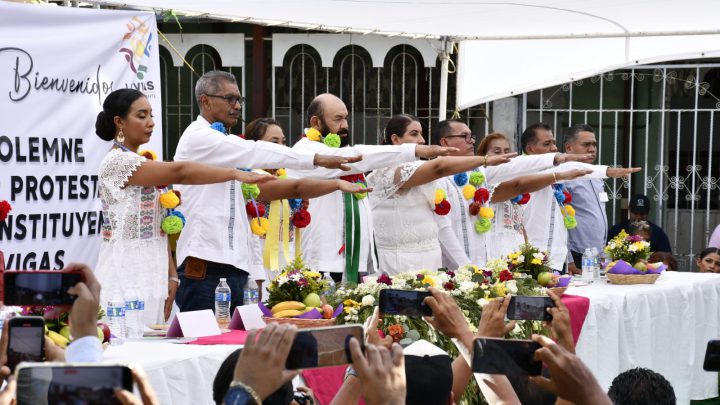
[(447, 166), (530, 164), (306, 188), (534, 182), (151, 173)]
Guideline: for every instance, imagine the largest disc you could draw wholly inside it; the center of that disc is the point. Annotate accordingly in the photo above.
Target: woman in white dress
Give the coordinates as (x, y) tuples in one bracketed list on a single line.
[(411, 231), (134, 252), (507, 200)]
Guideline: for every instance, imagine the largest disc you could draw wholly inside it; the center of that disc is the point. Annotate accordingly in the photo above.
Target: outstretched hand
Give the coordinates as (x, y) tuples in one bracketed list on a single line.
[(574, 157), (616, 172), (572, 174), (433, 151), (253, 178), (347, 187), (335, 162), (499, 159)]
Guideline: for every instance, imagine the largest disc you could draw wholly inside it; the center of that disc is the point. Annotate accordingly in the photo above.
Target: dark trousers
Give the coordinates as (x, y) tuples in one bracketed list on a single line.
[(577, 258), (194, 295)]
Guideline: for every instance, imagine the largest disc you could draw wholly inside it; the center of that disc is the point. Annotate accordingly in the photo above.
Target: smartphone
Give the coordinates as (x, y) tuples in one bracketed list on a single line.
[(402, 302), (530, 308), (322, 347), (506, 357), (26, 340), (712, 356), (39, 287), (63, 383)]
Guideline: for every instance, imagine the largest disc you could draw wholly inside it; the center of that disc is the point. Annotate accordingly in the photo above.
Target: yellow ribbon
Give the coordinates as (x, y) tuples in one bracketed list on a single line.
[(298, 245), (286, 230), (272, 238)]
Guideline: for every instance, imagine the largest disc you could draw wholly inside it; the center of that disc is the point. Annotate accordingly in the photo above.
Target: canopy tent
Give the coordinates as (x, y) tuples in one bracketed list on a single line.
[(506, 47)]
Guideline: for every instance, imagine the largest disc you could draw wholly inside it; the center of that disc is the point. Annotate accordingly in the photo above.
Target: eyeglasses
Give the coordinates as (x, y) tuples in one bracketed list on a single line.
[(230, 99), (469, 138)]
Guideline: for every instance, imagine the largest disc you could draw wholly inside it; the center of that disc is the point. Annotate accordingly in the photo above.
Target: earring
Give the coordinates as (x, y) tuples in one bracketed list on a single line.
[(120, 137)]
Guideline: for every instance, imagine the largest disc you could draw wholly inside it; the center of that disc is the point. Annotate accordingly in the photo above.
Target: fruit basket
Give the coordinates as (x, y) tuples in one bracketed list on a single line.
[(296, 296), (621, 272)]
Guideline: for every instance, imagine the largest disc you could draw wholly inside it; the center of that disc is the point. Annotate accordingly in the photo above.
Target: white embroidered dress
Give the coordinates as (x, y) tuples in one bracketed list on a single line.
[(133, 251), (406, 228)]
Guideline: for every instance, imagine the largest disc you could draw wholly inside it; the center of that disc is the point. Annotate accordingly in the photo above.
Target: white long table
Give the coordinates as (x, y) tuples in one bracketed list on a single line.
[(664, 327), (180, 374)]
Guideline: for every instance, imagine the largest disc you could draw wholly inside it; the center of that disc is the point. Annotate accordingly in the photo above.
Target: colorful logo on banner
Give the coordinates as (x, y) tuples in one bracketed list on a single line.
[(136, 46)]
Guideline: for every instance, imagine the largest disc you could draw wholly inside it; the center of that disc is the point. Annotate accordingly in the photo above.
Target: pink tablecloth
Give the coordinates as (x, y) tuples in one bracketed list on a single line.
[(233, 337)]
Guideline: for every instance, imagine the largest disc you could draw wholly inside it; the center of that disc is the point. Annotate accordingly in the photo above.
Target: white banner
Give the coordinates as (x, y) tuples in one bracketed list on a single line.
[(57, 65)]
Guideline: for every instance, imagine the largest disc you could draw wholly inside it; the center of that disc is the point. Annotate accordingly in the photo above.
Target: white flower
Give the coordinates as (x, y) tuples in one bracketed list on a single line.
[(538, 256), (296, 277), (282, 280), (517, 329), (521, 258), (511, 286), (482, 302), (368, 300), (633, 248), (466, 287)]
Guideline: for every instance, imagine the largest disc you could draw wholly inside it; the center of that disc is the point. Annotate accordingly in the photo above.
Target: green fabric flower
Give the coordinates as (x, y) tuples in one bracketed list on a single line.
[(482, 225), (172, 224), (332, 140), (570, 222), (477, 179), (250, 191)]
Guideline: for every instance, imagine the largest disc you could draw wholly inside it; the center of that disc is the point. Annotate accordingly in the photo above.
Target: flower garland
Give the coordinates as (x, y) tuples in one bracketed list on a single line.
[(564, 199), (330, 140), (174, 220), (479, 198)]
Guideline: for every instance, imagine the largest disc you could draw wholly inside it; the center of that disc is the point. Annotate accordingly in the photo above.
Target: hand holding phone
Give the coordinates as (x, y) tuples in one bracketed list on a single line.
[(403, 302), (26, 340), (322, 347), (30, 288), (530, 308), (505, 356)]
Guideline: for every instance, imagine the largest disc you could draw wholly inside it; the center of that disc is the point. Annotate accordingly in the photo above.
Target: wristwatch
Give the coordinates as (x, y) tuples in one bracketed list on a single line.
[(241, 394)]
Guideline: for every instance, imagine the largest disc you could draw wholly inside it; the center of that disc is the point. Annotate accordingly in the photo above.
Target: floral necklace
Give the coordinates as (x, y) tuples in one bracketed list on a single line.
[(174, 220), (330, 140), (479, 198), (564, 198)]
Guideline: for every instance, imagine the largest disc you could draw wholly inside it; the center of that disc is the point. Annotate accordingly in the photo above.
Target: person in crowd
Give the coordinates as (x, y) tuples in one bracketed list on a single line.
[(588, 199), (215, 241), (405, 202), (267, 258), (708, 261), (715, 238), (641, 386), (508, 198), (470, 230), (339, 238), (667, 258), (546, 217), (638, 210), (134, 252)]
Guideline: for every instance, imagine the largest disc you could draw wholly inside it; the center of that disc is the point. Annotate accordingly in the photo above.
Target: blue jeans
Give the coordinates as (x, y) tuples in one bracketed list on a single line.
[(195, 295)]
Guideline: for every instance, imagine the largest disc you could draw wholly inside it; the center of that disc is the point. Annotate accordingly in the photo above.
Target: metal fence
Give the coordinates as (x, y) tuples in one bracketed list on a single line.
[(658, 117)]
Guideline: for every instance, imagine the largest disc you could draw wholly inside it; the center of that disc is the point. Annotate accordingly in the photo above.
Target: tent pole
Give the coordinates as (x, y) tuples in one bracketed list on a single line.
[(444, 61)]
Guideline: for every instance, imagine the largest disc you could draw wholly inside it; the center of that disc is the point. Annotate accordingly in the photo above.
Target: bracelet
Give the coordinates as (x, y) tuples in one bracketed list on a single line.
[(554, 177), (175, 279), (350, 371), (485, 161), (248, 389)]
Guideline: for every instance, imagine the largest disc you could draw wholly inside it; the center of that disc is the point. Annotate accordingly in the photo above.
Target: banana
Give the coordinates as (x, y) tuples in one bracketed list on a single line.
[(285, 305), (58, 339), (288, 313)]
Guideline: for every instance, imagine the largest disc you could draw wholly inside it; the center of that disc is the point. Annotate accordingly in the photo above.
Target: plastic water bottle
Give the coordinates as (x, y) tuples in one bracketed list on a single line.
[(596, 264), (140, 309), (588, 266), (330, 282), (116, 319), (251, 295), (131, 313), (222, 304)]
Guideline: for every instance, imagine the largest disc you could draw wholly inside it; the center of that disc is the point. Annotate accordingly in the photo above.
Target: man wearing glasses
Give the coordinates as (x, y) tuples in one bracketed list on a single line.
[(215, 242), (456, 133)]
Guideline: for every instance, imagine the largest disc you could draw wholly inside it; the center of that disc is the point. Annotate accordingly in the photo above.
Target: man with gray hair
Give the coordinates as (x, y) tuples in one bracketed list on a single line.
[(215, 241), (588, 199)]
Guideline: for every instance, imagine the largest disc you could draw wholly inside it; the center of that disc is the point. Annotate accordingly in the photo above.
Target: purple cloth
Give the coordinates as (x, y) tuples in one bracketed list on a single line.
[(623, 267)]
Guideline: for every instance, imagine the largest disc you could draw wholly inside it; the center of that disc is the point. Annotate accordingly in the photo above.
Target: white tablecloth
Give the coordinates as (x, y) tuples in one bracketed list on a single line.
[(180, 374), (663, 326)]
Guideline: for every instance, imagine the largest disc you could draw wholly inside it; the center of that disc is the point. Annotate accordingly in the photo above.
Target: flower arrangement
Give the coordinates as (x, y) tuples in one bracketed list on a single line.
[(629, 254), (295, 283), (471, 287), (529, 260)]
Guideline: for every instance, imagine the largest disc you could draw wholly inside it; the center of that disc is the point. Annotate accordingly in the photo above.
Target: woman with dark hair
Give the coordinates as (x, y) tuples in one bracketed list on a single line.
[(409, 206), (708, 261), (134, 253)]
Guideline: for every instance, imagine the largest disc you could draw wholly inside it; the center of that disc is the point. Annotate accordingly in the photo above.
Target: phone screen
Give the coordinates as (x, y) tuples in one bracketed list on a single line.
[(39, 288), (507, 357), (26, 341), (712, 356), (322, 347), (402, 302), (528, 308), (87, 385)]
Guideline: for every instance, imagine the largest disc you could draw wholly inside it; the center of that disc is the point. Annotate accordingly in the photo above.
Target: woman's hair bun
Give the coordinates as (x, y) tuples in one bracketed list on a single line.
[(104, 127)]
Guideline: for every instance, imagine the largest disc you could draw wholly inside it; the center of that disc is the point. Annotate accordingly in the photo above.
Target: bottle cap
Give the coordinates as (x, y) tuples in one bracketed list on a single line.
[(223, 279)]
